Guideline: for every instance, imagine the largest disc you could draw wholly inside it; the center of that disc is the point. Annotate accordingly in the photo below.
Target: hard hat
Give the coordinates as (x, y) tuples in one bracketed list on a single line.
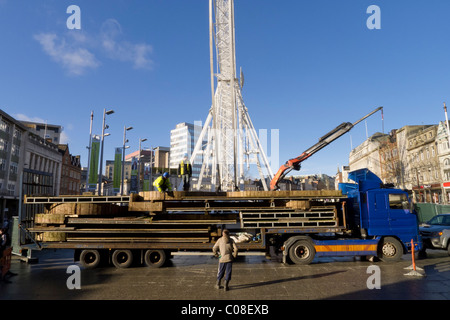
[(165, 174)]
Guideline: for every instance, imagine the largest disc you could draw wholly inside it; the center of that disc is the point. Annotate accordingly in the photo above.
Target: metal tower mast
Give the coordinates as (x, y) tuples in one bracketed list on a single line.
[(231, 137)]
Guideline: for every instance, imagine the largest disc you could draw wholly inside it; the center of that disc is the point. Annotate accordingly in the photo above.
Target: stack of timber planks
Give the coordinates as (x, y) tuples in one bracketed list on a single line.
[(192, 195), (154, 202), (180, 216)]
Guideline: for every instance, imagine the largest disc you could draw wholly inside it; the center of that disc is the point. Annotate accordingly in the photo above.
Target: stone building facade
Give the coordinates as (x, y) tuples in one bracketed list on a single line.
[(415, 158), (70, 172), (424, 175), (28, 165)]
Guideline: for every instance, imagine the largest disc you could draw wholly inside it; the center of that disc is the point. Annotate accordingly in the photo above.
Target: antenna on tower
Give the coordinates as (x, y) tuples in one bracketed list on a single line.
[(229, 132)]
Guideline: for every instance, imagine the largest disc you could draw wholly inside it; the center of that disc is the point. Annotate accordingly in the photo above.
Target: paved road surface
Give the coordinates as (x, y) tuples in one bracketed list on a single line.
[(254, 278)]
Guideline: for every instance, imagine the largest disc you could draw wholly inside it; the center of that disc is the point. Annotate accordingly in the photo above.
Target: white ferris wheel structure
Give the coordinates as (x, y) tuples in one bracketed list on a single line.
[(231, 140)]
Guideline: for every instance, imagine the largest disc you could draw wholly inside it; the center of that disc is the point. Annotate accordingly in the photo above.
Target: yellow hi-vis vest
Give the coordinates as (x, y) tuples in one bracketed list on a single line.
[(184, 168), (162, 184)]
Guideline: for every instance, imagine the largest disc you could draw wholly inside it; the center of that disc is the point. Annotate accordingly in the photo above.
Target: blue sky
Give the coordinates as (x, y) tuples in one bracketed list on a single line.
[(308, 66)]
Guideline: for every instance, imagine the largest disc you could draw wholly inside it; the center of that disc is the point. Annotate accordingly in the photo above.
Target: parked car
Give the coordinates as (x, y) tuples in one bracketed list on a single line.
[(436, 233)]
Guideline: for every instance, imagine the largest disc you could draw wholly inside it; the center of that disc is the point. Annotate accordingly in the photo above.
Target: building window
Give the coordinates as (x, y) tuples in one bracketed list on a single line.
[(17, 134), (4, 126), (3, 145), (13, 168), (11, 188), (447, 175), (15, 150)]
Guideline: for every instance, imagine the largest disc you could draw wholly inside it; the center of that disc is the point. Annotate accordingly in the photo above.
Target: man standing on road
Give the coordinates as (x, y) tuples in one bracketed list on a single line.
[(3, 244), (228, 252)]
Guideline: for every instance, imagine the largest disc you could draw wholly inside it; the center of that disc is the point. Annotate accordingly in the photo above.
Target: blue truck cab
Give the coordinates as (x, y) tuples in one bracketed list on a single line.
[(382, 213), (378, 221)]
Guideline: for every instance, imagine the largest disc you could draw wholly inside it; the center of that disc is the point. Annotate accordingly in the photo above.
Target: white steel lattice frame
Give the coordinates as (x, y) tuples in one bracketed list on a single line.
[(231, 137)]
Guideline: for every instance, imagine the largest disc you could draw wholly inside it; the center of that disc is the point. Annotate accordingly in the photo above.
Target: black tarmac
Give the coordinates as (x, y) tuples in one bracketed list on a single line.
[(254, 278)]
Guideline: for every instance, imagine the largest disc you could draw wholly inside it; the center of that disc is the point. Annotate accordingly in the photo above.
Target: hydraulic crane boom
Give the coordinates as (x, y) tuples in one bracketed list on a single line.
[(295, 163)]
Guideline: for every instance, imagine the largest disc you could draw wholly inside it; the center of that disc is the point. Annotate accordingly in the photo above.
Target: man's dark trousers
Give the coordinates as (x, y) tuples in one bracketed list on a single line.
[(186, 183), (225, 268)]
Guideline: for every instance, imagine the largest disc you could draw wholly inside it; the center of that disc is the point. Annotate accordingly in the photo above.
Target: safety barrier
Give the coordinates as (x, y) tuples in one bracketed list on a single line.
[(414, 269)]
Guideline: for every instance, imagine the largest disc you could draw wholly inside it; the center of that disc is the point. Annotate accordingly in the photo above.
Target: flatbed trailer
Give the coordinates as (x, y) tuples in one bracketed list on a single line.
[(179, 222), (152, 226)]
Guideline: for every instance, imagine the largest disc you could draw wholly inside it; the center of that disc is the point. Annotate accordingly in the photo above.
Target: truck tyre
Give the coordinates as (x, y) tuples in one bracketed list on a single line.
[(154, 258), (302, 252), (90, 259), (390, 249), (122, 258)]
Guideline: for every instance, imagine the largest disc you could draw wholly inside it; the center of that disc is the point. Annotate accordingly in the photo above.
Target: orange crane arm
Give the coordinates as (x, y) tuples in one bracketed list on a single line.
[(288, 166), (295, 163)]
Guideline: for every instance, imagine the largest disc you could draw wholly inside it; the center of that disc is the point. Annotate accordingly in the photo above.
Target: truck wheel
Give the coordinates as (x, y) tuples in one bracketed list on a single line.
[(154, 258), (302, 252), (90, 259), (122, 258), (390, 249)]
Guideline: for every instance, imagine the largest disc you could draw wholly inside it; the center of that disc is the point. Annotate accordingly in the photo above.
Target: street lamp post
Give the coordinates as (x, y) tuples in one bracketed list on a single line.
[(89, 152), (101, 152), (125, 129), (152, 159), (139, 165)]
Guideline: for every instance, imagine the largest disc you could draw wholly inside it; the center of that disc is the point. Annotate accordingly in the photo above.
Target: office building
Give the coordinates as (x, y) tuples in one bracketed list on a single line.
[(26, 158), (44, 130), (182, 141)]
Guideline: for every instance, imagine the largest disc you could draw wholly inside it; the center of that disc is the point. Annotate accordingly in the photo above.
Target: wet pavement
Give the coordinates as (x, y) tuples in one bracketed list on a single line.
[(254, 278)]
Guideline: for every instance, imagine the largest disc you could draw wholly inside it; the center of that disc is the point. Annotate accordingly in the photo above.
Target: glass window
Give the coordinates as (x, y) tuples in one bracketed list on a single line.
[(443, 220), (4, 126), (13, 167), (17, 134), (398, 201), (15, 150)]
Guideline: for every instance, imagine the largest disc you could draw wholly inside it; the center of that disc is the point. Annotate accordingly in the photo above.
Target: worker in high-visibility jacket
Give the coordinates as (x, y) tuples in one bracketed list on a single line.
[(162, 184), (185, 172)]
